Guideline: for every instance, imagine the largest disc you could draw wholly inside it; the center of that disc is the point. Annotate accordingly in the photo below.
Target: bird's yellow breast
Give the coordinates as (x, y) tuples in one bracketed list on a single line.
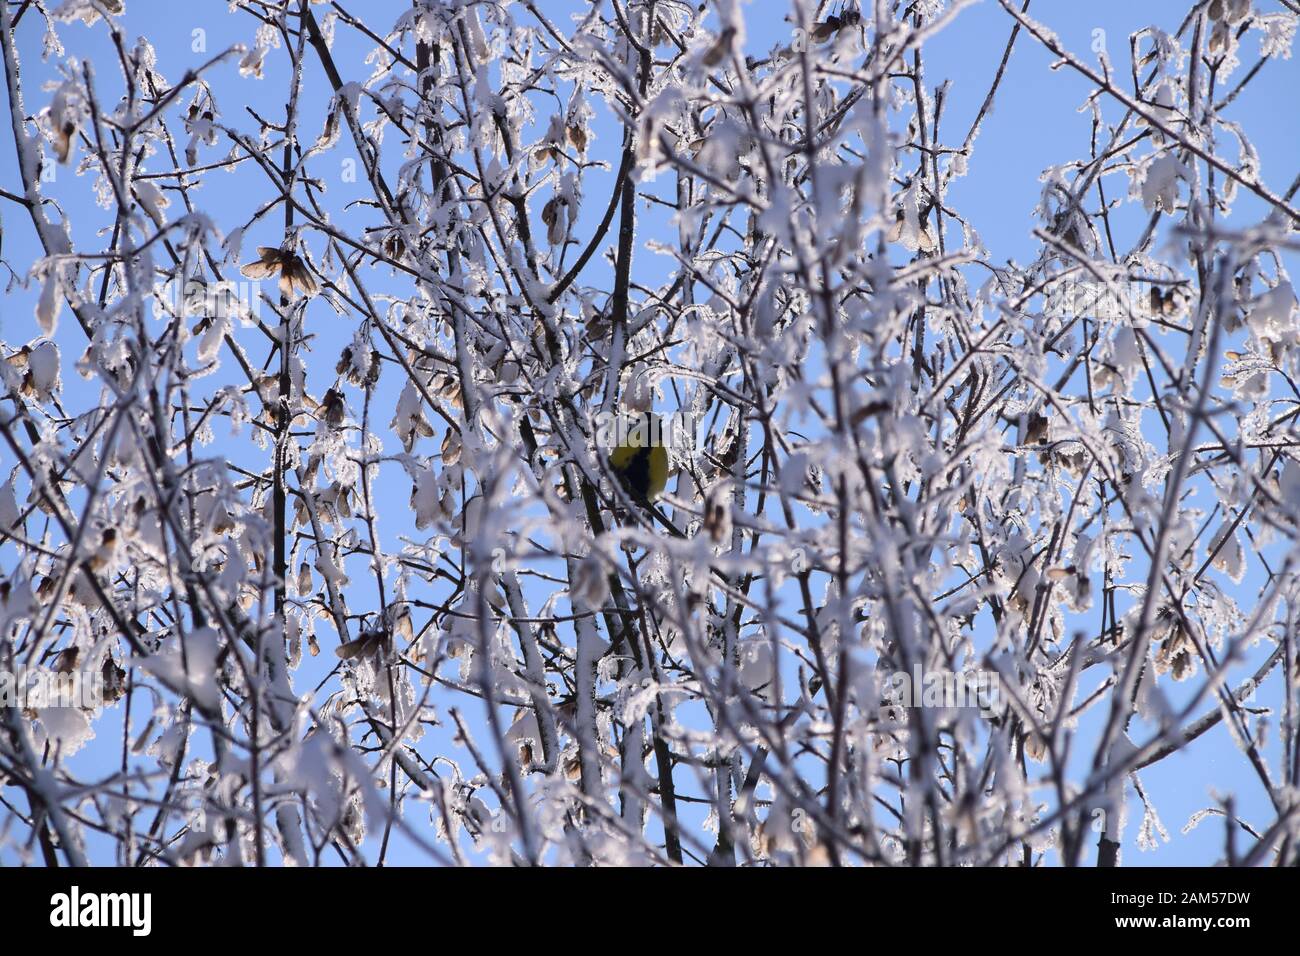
[(643, 470)]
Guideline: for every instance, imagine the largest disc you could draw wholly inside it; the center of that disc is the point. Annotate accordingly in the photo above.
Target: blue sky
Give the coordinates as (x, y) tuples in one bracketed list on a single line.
[(1035, 124)]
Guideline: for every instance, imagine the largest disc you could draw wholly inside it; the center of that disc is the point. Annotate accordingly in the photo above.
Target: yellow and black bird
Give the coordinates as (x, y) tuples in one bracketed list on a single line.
[(641, 459)]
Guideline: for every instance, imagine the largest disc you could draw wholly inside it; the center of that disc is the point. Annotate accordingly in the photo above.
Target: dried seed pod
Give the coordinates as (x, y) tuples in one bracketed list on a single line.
[(376, 644), (1036, 429), (361, 369), (1035, 747), (398, 618), (107, 550), (721, 46), (451, 448), (294, 275), (834, 24), (63, 136), (332, 410), (66, 661), (114, 680), (578, 137), (590, 583), (717, 514)]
